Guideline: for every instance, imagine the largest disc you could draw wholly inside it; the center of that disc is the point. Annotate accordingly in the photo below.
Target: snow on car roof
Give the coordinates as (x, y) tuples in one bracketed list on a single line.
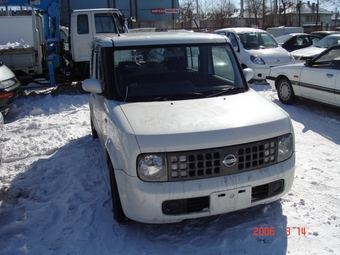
[(240, 29)]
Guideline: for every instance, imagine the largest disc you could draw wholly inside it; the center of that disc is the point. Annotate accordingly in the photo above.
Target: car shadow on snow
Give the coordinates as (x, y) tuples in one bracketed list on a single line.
[(315, 116), (61, 203), (257, 230), (52, 197)]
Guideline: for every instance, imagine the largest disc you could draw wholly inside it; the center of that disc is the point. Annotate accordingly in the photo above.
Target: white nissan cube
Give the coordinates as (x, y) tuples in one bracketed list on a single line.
[(182, 133)]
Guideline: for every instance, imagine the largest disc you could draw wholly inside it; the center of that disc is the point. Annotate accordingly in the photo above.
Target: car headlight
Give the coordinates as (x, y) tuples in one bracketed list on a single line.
[(152, 167), (8, 83), (285, 147), (257, 60)]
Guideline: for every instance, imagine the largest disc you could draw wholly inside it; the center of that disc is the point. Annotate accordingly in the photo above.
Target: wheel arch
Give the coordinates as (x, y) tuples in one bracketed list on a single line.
[(111, 154), (280, 77)]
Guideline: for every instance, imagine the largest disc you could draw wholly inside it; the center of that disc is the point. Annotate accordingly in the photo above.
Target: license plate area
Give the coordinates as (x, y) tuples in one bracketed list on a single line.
[(230, 200)]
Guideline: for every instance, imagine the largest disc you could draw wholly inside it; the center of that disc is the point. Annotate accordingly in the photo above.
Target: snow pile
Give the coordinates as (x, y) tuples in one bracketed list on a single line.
[(15, 45), (55, 197)]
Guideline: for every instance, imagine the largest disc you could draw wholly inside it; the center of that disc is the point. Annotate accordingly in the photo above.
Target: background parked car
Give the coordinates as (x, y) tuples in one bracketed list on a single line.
[(1, 125), (9, 88), (317, 79), (256, 49), (323, 34), (314, 50), (296, 41)]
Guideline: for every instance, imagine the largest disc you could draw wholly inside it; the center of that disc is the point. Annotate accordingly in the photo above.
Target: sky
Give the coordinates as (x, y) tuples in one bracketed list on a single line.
[(210, 3), (55, 196)]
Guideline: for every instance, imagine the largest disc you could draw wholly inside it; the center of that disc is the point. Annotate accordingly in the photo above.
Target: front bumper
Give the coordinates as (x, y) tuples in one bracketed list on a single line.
[(143, 201), (260, 72)]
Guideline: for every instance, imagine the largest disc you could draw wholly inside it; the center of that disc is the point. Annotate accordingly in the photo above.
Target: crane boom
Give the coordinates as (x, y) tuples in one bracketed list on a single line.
[(51, 12)]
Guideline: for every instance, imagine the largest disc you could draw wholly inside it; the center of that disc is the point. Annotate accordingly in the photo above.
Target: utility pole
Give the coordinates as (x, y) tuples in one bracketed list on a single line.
[(241, 13), (317, 12), (263, 13), (198, 16)]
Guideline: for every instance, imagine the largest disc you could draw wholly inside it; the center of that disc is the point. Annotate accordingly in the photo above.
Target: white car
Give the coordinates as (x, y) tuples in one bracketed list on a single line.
[(302, 55), (1, 125), (256, 49), (9, 88), (173, 113), (317, 79)]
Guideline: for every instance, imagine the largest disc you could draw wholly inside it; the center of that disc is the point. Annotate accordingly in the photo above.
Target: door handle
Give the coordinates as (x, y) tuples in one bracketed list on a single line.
[(330, 75)]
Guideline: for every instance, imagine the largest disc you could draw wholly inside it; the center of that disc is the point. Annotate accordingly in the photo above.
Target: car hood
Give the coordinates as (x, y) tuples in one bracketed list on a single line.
[(309, 51), (213, 122), (273, 56), (287, 70)]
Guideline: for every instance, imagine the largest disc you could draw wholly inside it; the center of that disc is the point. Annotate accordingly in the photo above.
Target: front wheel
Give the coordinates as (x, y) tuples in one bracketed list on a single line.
[(118, 212), (285, 91)]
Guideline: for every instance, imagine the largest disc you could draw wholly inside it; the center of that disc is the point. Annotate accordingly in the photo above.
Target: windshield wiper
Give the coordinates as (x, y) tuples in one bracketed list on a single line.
[(189, 95), (231, 90)]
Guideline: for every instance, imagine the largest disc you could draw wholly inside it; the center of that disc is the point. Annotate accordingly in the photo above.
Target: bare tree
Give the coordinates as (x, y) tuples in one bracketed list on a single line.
[(186, 13), (254, 9), (333, 3), (221, 13)]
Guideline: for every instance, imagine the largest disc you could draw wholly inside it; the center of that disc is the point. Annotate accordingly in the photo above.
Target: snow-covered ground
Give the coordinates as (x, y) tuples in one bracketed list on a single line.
[(55, 198)]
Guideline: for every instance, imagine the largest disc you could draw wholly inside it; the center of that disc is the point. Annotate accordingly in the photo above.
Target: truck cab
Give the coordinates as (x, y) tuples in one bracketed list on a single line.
[(87, 23), (182, 133), (44, 49)]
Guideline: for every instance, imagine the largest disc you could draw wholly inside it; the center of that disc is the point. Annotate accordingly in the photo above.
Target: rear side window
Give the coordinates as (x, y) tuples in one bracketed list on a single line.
[(82, 24)]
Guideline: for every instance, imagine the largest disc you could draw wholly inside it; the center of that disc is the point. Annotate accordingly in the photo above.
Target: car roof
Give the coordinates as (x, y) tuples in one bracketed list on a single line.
[(108, 10), (158, 38), (333, 35), (325, 32), (294, 34)]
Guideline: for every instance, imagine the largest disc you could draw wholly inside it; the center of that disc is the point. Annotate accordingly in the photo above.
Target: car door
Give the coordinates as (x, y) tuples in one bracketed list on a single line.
[(319, 80), (337, 90), (97, 100)]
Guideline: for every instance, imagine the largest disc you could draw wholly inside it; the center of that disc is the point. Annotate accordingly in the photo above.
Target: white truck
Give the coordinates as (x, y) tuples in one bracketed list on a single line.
[(32, 42), (183, 135)]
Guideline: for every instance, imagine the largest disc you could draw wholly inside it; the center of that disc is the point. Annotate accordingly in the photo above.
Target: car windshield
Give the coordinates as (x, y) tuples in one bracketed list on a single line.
[(175, 73), (257, 40), (283, 38), (328, 41)]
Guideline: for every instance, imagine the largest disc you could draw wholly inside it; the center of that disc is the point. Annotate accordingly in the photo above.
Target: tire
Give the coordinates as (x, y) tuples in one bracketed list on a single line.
[(285, 91), (118, 213), (93, 131)]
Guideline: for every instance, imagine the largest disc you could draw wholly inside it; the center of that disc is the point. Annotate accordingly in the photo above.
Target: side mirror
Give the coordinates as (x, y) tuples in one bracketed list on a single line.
[(248, 74), (309, 62), (92, 85)]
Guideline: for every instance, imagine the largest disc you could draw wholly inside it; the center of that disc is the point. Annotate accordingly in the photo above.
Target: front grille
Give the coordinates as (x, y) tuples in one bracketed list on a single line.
[(197, 204), (190, 165)]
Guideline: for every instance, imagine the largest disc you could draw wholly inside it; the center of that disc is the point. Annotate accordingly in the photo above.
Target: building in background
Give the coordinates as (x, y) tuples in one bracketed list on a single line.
[(161, 14)]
